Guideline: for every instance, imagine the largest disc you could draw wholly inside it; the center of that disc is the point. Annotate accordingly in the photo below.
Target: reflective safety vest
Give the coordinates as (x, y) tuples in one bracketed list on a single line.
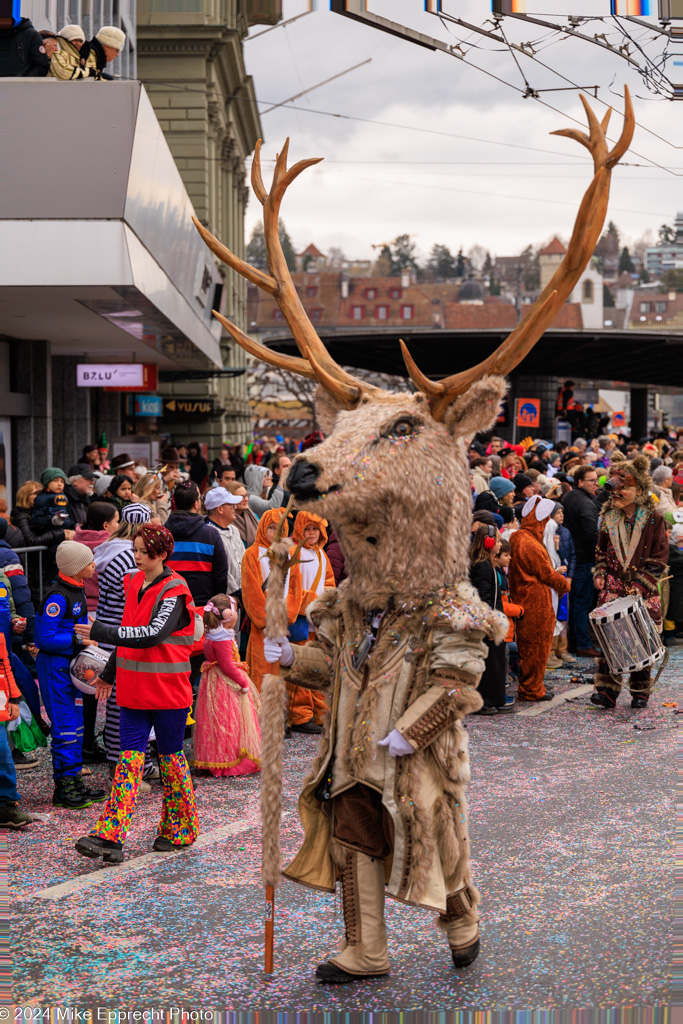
[(155, 677)]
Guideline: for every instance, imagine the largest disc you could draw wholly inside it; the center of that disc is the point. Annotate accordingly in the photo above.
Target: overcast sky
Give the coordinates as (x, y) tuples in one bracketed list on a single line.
[(438, 169)]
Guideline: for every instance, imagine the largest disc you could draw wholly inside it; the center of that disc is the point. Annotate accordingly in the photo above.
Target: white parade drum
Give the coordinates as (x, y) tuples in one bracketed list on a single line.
[(87, 665), (627, 635)]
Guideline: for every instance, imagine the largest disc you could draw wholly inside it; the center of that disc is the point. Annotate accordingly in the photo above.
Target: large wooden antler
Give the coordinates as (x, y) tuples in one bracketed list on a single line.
[(587, 228), (316, 363)]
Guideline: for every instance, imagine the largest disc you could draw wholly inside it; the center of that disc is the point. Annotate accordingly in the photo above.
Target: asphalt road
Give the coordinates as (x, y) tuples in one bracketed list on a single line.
[(572, 833)]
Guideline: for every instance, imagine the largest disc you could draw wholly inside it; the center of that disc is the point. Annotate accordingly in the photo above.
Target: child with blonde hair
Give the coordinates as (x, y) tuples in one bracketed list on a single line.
[(227, 739)]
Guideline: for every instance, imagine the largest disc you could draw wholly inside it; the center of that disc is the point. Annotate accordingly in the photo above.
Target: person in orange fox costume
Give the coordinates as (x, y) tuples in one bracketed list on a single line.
[(255, 572), (529, 567), (306, 708)]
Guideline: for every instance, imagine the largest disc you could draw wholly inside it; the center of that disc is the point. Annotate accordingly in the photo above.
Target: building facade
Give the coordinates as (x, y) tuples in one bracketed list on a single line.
[(190, 58), (666, 255)]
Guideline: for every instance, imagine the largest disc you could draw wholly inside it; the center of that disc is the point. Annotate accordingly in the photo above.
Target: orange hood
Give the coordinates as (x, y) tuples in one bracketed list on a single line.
[(305, 519), (531, 524), (272, 515)]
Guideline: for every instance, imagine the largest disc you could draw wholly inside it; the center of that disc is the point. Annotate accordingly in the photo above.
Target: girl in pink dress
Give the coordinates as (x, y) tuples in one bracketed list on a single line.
[(227, 738)]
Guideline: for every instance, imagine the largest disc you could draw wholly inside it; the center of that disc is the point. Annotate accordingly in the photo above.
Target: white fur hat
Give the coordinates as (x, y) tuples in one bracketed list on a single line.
[(71, 32), (109, 35)]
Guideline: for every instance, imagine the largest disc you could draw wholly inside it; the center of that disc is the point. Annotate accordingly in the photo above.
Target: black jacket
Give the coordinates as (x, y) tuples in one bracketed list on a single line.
[(485, 581), (22, 52), (76, 504), (581, 519), (96, 47), (21, 518), (199, 556)]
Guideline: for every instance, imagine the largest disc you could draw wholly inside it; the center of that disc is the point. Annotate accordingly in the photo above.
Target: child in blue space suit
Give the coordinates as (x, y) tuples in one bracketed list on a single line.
[(63, 606)]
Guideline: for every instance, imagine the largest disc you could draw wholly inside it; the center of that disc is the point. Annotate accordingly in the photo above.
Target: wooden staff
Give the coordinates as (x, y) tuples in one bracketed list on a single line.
[(282, 558)]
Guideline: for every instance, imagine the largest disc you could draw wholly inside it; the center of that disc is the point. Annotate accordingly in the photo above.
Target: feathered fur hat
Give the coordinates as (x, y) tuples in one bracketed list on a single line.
[(638, 469)]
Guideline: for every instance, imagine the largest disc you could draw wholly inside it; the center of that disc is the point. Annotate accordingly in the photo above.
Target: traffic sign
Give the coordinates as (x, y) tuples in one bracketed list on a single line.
[(528, 412)]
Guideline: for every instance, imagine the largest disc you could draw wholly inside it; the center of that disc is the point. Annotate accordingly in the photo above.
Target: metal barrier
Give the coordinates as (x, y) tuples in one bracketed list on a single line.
[(25, 552)]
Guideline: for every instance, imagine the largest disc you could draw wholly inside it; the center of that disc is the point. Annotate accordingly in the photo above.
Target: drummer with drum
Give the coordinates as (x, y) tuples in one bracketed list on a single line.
[(631, 555)]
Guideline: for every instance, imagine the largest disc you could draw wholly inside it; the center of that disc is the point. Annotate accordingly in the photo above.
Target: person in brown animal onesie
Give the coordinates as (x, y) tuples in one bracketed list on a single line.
[(631, 554), (531, 579)]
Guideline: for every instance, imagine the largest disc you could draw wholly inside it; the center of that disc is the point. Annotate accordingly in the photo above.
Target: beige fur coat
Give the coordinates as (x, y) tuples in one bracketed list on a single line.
[(420, 679)]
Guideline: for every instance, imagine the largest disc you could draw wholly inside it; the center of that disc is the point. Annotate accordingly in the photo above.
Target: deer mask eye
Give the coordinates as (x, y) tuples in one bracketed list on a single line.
[(402, 428)]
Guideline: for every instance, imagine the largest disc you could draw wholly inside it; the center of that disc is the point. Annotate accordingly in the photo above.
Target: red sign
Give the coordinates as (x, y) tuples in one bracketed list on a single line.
[(618, 419), (528, 412), (149, 379)]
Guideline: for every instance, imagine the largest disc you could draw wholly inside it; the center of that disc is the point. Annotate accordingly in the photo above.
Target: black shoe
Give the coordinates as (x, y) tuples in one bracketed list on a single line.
[(639, 702), (163, 845), (488, 709), (465, 957), (95, 755), (69, 795), (602, 699), (107, 849), (310, 728), (288, 732), (548, 695), (330, 974), (12, 817), (95, 796), (24, 761)]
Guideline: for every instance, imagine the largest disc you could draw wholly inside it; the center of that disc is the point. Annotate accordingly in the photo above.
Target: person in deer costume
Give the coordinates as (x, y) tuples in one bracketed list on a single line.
[(399, 646), (307, 707), (532, 580), (255, 571)]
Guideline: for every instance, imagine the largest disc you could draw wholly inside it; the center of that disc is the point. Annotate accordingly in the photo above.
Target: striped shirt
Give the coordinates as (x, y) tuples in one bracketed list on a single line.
[(112, 596)]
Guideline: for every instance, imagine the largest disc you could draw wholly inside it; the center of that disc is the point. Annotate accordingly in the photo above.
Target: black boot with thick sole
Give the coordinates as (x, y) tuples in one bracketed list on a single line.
[(94, 846), (95, 796)]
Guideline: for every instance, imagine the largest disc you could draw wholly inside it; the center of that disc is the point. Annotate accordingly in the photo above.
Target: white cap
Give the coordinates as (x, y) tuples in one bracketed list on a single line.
[(109, 35), (218, 496), (71, 32)]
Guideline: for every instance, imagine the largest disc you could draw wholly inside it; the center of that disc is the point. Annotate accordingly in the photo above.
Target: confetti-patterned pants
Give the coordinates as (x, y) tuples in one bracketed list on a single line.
[(179, 821), (114, 820)]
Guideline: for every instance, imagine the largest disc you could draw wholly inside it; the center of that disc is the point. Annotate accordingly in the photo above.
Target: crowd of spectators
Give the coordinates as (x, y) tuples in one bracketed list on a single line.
[(504, 477), (65, 55), (212, 512)]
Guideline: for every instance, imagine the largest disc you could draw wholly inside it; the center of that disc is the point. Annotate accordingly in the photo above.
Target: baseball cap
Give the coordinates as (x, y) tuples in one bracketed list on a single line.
[(218, 496)]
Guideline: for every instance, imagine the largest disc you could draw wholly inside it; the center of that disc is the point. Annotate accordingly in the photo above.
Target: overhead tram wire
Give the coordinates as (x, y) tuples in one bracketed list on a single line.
[(167, 83), (559, 75)]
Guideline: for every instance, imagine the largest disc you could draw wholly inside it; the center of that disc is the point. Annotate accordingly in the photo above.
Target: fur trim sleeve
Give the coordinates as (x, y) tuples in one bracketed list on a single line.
[(463, 652), (312, 667), (444, 703), (469, 614)]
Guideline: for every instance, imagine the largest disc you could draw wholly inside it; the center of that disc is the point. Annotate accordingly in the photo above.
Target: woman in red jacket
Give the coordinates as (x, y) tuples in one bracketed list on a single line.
[(151, 663)]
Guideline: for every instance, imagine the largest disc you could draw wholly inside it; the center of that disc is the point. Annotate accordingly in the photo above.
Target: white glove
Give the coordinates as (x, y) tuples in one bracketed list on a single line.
[(398, 746), (278, 650)]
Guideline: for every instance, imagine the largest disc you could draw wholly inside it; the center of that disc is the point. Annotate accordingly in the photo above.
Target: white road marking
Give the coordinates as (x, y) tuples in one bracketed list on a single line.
[(129, 867), (546, 705)]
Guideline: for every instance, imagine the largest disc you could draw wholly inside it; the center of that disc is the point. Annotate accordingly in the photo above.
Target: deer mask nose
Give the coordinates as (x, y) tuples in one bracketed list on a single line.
[(301, 479)]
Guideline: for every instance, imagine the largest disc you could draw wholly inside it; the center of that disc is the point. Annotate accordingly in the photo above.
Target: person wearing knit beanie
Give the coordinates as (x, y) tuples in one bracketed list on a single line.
[(62, 609), (72, 557), (50, 476), (501, 487)]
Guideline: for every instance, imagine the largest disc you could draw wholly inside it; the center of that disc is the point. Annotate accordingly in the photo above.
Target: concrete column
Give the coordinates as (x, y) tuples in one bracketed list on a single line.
[(33, 434), (639, 411), (70, 412), (543, 388)]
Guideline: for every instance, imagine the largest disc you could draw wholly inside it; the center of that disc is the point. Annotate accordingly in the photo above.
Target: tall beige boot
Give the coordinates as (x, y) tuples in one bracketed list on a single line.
[(364, 953), (460, 923)]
